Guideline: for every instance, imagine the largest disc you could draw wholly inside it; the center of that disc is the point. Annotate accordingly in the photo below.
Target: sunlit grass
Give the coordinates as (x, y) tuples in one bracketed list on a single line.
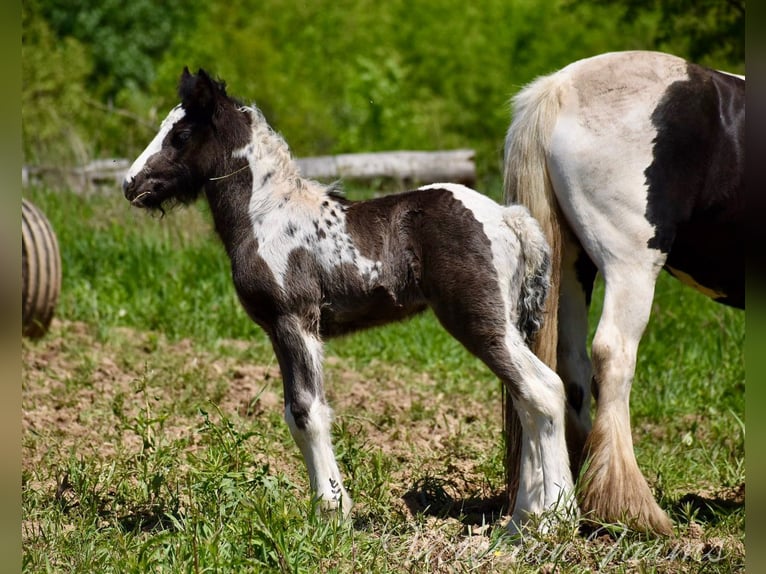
[(176, 483)]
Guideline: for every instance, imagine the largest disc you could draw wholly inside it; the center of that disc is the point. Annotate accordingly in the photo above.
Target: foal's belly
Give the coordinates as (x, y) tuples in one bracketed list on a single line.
[(380, 308)]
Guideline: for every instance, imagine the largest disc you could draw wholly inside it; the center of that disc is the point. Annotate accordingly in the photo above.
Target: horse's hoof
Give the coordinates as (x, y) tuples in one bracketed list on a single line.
[(335, 508)]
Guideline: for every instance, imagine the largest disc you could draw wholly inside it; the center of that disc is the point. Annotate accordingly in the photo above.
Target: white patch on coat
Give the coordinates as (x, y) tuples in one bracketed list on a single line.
[(282, 200), (156, 144), (600, 147), (325, 236)]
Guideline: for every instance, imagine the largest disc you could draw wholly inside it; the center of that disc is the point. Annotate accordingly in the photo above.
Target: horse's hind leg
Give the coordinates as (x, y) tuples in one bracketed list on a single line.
[(536, 392), (307, 414), (597, 169), (613, 487), (545, 478), (573, 362)]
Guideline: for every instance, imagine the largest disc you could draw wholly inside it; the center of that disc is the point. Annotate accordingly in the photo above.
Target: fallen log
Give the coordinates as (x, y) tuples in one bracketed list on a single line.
[(407, 167)]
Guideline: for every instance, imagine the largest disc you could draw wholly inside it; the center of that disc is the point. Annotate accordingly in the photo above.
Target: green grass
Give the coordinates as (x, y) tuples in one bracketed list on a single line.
[(153, 438)]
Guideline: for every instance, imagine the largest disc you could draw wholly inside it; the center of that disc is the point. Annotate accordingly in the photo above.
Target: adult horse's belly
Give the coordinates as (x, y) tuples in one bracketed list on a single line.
[(711, 258)]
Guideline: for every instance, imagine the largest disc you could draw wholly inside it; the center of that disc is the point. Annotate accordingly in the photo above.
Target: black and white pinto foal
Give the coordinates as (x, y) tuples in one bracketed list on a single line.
[(632, 162), (308, 264)]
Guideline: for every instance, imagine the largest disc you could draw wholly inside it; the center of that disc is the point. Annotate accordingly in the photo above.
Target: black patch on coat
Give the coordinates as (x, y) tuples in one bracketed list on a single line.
[(434, 251), (575, 396), (585, 271), (696, 181)]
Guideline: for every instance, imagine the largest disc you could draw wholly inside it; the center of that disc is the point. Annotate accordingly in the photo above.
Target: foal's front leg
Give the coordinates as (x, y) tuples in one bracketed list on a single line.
[(307, 413)]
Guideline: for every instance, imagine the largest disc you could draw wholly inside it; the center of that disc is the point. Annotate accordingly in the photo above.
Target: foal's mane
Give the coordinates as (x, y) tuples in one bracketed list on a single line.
[(270, 144)]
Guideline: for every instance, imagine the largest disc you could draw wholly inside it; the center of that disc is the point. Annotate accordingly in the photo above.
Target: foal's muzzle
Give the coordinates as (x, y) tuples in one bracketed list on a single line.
[(130, 189)]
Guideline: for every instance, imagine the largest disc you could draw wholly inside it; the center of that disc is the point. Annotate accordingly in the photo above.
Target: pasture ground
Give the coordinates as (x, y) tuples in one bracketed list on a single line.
[(153, 438)]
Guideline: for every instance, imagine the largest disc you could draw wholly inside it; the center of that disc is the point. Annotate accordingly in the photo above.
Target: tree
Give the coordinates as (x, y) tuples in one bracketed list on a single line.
[(53, 91), (710, 32), (126, 38)]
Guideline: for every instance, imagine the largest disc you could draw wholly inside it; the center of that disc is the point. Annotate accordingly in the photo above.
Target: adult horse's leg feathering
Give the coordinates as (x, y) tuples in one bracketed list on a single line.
[(632, 162), (309, 264)]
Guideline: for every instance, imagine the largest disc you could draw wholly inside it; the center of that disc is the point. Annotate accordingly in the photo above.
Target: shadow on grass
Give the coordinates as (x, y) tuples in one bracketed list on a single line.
[(434, 496), (440, 497), (710, 509), (154, 519)]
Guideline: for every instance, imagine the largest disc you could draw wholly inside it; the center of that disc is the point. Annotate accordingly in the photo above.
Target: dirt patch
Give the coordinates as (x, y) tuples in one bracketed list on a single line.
[(79, 391)]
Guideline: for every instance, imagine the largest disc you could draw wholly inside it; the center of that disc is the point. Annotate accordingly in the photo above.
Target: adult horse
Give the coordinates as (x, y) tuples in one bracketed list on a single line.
[(309, 264), (632, 162)]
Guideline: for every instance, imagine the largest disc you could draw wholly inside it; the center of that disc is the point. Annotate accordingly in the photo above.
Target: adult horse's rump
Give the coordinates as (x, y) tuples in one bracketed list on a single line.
[(632, 162)]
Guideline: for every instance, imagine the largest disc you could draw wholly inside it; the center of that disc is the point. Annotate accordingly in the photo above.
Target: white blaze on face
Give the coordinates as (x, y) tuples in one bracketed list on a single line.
[(156, 145)]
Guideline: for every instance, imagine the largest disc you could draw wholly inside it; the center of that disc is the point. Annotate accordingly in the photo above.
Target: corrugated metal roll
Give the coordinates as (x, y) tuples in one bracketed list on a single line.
[(40, 270)]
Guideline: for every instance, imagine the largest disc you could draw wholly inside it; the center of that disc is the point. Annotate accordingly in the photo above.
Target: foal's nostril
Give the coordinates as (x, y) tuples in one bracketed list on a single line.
[(129, 188)]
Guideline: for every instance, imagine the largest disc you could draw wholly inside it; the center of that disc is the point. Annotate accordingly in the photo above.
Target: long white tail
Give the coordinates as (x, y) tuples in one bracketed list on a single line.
[(526, 182)]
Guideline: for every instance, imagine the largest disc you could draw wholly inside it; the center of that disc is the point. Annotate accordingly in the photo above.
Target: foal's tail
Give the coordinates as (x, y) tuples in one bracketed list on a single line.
[(536, 256), (527, 182)]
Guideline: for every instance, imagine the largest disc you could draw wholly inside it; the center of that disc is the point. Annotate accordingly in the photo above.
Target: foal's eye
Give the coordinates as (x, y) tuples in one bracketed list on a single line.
[(180, 138)]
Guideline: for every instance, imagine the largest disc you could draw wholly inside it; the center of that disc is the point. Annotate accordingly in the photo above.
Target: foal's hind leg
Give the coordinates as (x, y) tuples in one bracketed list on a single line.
[(308, 415), (545, 478), (613, 487), (537, 394)]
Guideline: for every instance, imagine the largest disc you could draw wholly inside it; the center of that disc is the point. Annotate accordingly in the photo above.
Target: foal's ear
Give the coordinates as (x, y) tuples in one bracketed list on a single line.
[(199, 93)]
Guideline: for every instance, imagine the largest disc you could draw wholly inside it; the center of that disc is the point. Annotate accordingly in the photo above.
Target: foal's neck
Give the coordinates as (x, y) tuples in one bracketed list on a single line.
[(274, 191), (277, 183)]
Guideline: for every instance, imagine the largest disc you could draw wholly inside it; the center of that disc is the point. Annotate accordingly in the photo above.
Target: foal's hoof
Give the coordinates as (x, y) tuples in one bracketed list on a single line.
[(564, 512), (335, 508)]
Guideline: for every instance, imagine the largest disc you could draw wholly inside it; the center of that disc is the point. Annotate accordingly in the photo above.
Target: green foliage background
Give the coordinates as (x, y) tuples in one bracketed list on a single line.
[(333, 76)]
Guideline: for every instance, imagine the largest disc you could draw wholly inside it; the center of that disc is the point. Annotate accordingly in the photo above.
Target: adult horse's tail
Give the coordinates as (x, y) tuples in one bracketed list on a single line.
[(526, 182)]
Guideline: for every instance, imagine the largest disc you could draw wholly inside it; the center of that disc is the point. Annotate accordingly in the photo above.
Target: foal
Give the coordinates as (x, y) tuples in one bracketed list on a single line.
[(309, 264)]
